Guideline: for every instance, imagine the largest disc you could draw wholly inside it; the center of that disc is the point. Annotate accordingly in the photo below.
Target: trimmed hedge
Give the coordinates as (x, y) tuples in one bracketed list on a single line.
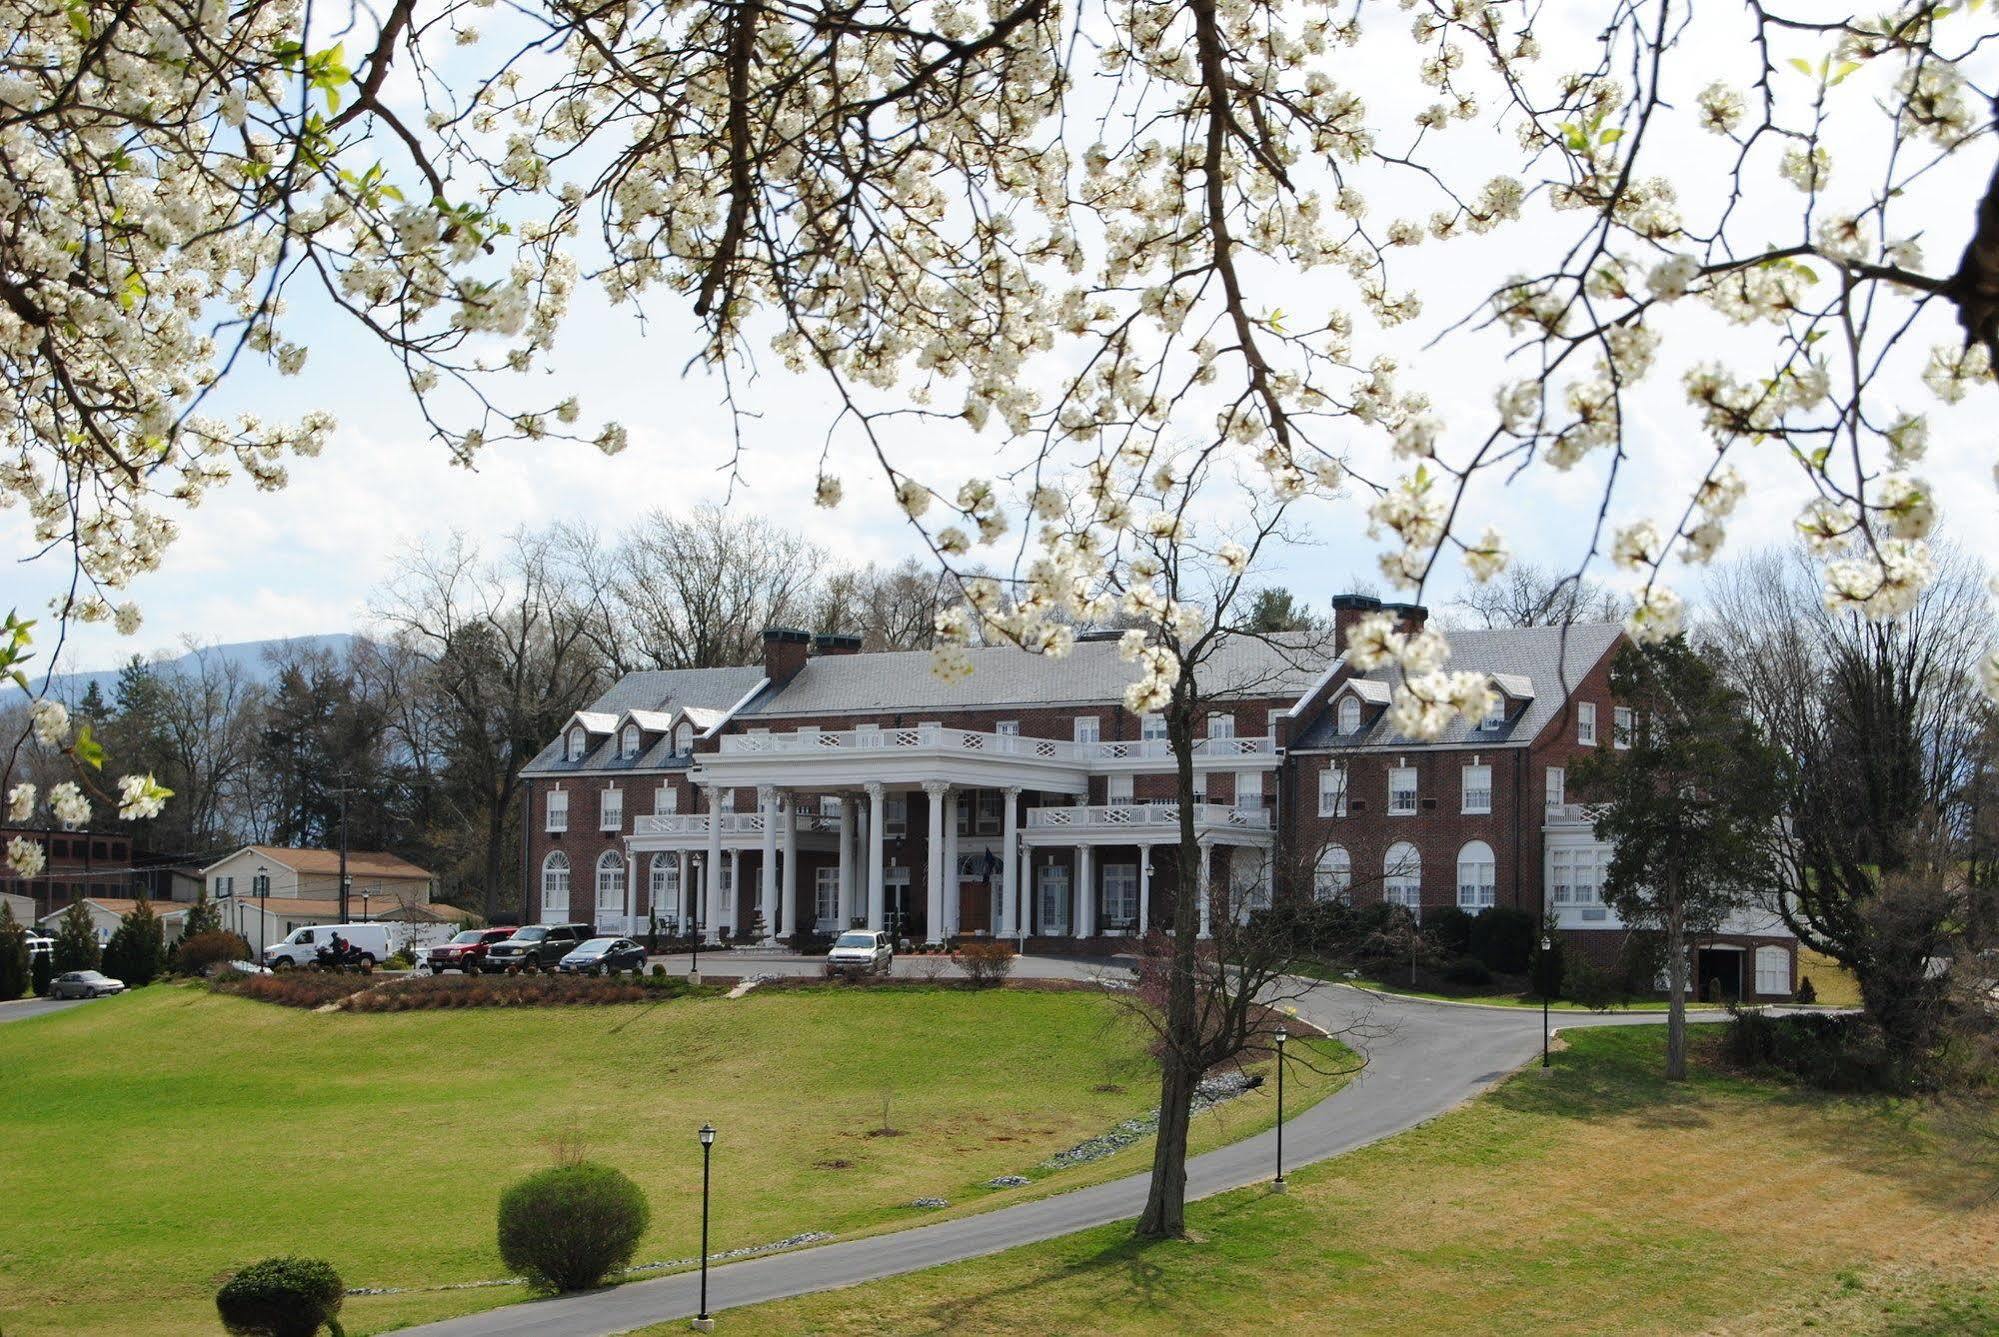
[(282, 1297), (570, 1226)]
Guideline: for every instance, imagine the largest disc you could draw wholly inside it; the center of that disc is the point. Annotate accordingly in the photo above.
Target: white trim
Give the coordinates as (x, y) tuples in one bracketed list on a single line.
[(730, 713), (1332, 671)]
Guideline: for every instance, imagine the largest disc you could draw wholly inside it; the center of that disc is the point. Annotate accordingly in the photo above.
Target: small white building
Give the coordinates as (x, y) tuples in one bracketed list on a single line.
[(107, 913), (380, 885)]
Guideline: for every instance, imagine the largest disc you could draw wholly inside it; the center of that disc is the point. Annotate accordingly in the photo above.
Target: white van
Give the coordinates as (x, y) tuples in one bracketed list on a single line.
[(378, 942)]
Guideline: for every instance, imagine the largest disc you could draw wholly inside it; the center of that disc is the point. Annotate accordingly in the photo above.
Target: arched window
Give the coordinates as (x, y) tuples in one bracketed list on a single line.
[(1333, 881), (629, 745), (1402, 877), (576, 743), (683, 738), (1350, 714), (610, 883), (664, 885), (1475, 877), (1773, 972), (555, 886)]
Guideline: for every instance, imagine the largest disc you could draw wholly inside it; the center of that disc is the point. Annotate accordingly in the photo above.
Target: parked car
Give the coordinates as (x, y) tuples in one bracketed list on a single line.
[(536, 947), (84, 984), (860, 952), (465, 951), (604, 956), (375, 942), (40, 946)]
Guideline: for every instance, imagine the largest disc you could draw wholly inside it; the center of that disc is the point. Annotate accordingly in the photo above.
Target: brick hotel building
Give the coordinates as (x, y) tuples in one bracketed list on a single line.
[(826, 788)]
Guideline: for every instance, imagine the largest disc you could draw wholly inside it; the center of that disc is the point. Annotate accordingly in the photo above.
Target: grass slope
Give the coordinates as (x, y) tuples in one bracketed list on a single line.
[(1596, 1199), (151, 1143)]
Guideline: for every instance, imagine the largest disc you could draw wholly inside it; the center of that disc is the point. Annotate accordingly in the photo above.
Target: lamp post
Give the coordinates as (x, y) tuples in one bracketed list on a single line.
[(263, 904), (1547, 945), (1282, 1036), (703, 1323)]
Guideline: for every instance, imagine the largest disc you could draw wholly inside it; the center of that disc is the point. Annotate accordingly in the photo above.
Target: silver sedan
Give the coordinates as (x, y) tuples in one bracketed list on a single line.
[(84, 984)]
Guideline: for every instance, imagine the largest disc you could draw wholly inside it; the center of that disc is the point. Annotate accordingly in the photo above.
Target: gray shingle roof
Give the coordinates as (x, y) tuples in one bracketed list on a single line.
[(1091, 673), (1551, 660), (660, 690)]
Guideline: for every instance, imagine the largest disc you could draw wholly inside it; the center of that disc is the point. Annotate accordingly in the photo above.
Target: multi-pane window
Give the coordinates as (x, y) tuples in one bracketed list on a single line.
[(1620, 726), (992, 811), (1773, 971), (610, 884), (1152, 728), (1117, 789), (1495, 714), (895, 816), (1476, 877), (728, 800), (611, 810), (1575, 881), (1402, 878), (1007, 728), (665, 799), (1086, 729), (829, 805), (1557, 787), (664, 886), (1401, 790), (826, 896), (1248, 790), (558, 810), (1120, 895), (628, 743), (1333, 791), (1478, 789), (683, 738), (576, 747), (1350, 715), (555, 883), (1332, 880), (1586, 723), (1221, 726)]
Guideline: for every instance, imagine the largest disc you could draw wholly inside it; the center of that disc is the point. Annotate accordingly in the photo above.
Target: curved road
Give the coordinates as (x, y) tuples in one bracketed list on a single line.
[(1423, 1058)]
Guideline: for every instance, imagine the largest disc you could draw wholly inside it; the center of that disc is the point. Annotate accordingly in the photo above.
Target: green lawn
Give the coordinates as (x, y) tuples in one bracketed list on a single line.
[(151, 1143), (1594, 1199)]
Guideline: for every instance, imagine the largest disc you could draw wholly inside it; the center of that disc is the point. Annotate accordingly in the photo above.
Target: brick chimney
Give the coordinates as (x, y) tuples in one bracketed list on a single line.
[(836, 645), (785, 649), (1347, 610), (1409, 618)]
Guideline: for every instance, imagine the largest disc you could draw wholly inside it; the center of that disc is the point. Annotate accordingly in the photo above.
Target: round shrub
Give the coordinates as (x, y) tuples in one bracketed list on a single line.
[(198, 954), (570, 1226), (282, 1297), (1469, 972)]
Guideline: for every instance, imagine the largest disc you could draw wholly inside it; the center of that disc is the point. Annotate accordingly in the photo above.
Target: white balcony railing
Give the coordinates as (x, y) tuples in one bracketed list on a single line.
[(1575, 814), (915, 737), (1154, 816), (733, 823), (1148, 749)]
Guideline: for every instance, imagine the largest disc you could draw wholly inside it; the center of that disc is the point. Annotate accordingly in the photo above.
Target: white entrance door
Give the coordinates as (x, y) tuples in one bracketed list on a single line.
[(1052, 910)]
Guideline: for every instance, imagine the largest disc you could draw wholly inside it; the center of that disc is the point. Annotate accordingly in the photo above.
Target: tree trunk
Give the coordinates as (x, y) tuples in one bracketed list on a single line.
[(1676, 977), (1165, 1215)]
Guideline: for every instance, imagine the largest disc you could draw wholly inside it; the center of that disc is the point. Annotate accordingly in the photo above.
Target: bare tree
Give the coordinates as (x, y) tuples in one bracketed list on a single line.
[(1525, 595)]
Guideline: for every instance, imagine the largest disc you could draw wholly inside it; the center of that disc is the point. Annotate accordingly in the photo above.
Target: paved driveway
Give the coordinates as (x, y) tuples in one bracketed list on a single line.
[(22, 1008), (1424, 1058)]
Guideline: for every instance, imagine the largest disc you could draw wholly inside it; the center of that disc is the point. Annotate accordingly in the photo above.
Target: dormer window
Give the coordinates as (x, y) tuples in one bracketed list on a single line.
[(628, 744), (683, 738), (1495, 714), (576, 744), (1350, 715)]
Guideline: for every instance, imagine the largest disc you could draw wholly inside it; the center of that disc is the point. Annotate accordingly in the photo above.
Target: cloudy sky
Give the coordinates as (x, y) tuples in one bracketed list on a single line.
[(252, 565)]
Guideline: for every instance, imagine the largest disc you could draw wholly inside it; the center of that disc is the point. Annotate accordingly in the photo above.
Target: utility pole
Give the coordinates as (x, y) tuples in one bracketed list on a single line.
[(346, 883)]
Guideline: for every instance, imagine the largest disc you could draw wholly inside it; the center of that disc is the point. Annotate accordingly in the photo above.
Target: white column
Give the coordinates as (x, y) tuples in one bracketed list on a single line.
[(767, 805), (933, 921), (846, 911), (712, 870), (876, 885), (1012, 923), (1144, 889), (954, 809), (788, 912), (1083, 922), (1207, 876), (682, 906), (734, 895), (631, 891)]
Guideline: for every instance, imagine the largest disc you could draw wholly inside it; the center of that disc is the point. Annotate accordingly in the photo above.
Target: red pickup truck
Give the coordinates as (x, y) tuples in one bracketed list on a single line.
[(466, 950)]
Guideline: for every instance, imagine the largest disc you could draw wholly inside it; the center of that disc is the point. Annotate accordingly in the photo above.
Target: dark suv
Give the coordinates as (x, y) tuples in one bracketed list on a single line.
[(465, 951), (536, 947)]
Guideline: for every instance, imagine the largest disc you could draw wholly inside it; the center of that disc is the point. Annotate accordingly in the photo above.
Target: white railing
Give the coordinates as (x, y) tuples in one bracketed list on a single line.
[(915, 737), (1148, 815), (1569, 812), (733, 823), (1148, 749)]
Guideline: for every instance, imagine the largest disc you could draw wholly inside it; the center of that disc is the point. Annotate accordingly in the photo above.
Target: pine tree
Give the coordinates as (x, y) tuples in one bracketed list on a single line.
[(15, 975), (202, 916), (76, 940), (136, 953)]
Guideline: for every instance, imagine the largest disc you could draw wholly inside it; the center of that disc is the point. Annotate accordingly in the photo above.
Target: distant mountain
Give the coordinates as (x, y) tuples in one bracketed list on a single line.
[(249, 655)]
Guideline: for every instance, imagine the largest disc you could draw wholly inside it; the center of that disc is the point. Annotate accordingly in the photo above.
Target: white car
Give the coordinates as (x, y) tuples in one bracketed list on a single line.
[(861, 952)]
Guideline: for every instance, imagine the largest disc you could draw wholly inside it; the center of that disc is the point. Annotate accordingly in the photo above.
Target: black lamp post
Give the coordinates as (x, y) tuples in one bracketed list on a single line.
[(1547, 945), (702, 1322), (1282, 1036), (263, 906)]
